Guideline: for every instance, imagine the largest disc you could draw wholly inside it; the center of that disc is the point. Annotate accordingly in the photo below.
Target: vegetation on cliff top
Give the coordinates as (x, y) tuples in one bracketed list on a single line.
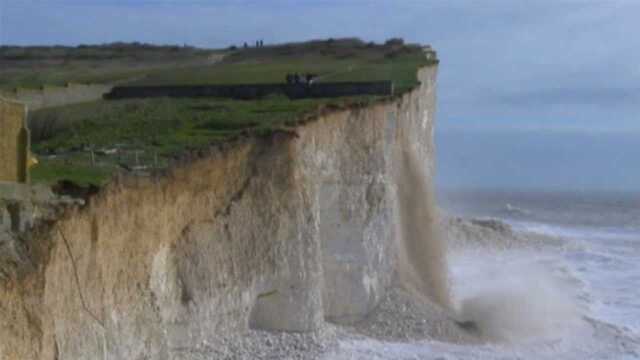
[(332, 60), (87, 142), (36, 66)]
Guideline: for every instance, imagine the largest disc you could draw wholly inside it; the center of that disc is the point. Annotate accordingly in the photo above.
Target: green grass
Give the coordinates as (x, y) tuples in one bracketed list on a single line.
[(50, 172), (157, 130), (164, 124), (140, 64), (332, 63), (75, 72), (36, 66)]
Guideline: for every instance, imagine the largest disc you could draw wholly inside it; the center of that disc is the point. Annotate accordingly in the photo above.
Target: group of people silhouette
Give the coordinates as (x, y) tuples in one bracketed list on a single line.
[(296, 78), (259, 44)]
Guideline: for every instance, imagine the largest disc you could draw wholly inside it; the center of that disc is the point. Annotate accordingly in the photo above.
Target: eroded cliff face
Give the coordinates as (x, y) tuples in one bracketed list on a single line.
[(281, 234)]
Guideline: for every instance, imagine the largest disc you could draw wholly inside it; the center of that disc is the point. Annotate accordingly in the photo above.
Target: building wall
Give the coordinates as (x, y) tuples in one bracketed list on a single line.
[(14, 142)]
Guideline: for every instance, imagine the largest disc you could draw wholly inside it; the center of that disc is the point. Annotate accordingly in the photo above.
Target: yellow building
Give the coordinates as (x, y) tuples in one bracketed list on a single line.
[(14, 142)]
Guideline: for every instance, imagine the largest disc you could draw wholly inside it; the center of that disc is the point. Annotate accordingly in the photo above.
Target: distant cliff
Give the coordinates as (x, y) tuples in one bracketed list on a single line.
[(281, 233)]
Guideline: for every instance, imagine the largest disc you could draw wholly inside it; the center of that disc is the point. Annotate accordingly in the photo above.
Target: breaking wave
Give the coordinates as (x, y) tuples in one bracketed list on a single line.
[(516, 301), (503, 302), (512, 294), (514, 210)]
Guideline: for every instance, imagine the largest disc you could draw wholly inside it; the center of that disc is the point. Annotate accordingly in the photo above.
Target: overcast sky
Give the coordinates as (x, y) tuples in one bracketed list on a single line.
[(558, 64)]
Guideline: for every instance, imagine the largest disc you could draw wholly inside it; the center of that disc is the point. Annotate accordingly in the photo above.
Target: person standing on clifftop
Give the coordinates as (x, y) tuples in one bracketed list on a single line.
[(310, 78)]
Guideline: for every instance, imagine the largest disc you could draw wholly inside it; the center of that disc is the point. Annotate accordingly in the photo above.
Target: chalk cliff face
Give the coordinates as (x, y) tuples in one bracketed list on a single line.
[(281, 233)]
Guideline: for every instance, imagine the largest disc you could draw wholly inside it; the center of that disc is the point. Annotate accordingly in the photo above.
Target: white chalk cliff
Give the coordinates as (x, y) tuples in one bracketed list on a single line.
[(279, 233)]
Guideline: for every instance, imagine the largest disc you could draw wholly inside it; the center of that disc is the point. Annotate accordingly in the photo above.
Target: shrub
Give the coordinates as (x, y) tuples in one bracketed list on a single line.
[(394, 42)]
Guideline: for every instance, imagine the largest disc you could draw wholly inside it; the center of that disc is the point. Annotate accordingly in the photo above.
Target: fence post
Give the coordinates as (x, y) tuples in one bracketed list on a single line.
[(14, 142)]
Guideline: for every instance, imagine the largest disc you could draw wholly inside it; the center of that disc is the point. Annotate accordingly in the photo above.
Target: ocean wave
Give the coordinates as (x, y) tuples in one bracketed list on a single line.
[(576, 232), (514, 210), (491, 233)]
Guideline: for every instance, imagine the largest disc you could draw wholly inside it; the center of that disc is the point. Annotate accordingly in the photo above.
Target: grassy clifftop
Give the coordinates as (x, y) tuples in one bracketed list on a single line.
[(35, 66), (88, 142), (332, 60)]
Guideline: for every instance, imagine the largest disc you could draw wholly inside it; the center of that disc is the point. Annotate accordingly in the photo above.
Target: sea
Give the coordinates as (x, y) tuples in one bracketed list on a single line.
[(576, 299)]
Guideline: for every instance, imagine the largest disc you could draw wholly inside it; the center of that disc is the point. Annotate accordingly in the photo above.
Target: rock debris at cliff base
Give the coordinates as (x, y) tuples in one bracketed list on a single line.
[(400, 317), (258, 344)]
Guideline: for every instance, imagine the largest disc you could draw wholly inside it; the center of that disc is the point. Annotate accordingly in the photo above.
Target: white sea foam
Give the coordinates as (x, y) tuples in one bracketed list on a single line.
[(549, 301), (527, 304), (516, 301)]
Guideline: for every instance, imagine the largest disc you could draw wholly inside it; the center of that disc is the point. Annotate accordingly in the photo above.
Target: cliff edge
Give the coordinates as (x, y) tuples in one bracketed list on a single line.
[(277, 233)]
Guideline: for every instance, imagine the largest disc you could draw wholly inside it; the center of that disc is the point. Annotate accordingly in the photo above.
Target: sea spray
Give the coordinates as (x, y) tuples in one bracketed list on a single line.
[(422, 254), (513, 297), (502, 302)]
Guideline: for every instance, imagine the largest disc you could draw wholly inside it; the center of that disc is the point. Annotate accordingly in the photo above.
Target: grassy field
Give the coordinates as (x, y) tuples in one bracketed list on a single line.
[(36, 66), (151, 132), (86, 143), (53, 171), (166, 125), (333, 61)]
